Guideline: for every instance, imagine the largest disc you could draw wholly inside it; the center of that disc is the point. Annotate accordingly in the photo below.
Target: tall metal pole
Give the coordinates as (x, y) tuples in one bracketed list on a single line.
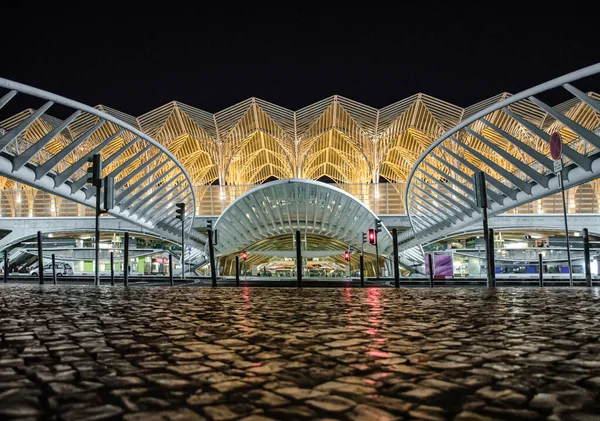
[(396, 262), (182, 249), (492, 258), (126, 260), (298, 260), (430, 261), (237, 271), (171, 270), (112, 269), (97, 251), (211, 254), (562, 188), (377, 255), (5, 252), (586, 257), (40, 258), (53, 268), (362, 270), (541, 265)]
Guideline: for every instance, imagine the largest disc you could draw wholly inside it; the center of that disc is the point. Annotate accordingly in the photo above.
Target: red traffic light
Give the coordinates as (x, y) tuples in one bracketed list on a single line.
[(347, 255), (372, 236), (244, 255)]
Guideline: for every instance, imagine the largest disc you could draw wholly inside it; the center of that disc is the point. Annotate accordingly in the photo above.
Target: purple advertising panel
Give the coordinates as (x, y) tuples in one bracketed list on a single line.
[(443, 265)]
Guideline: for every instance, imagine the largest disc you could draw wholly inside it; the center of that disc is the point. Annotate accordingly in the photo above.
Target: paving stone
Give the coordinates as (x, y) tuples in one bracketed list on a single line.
[(81, 353), (331, 403), (182, 414)]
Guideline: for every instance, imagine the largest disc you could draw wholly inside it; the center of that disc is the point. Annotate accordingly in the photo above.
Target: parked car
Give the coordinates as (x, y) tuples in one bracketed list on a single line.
[(62, 269)]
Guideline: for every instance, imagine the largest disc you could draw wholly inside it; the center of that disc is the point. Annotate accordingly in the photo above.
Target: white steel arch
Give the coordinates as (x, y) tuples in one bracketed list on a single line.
[(51, 155), (439, 196), (285, 206)]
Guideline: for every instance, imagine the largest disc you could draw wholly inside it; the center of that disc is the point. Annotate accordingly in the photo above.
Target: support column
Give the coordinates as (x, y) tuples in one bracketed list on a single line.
[(171, 270), (53, 268), (430, 261), (492, 260), (362, 270), (237, 271), (211, 254), (112, 269), (541, 265), (5, 252), (126, 260), (298, 260), (586, 258), (396, 262), (40, 258)]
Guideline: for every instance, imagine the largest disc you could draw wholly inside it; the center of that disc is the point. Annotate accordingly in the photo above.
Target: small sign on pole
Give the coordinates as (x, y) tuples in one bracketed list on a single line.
[(556, 146)]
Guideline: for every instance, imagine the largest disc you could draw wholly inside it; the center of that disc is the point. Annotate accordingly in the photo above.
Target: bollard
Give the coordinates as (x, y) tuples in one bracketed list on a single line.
[(126, 260), (396, 262), (298, 260), (211, 255), (586, 258), (362, 271), (171, 282), (5, 265), (112, 269), (54, 269), (541, 270), (430, 261), (492, 259), (237, 271), (40, 258)]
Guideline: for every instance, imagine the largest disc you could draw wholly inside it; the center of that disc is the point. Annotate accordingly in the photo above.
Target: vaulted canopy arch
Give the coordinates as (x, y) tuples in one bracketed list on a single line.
[(286, 206)]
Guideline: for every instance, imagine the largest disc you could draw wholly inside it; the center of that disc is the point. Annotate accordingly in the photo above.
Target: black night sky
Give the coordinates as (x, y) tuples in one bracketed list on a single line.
[(212, 55)]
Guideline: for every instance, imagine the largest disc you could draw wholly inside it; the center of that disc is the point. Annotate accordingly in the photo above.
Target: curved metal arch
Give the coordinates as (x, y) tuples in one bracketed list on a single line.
[(507, 189), (138, 181), (285, 206)]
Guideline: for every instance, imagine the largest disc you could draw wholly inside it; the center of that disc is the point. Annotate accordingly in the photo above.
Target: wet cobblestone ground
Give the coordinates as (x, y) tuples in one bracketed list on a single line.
[(84, 353)]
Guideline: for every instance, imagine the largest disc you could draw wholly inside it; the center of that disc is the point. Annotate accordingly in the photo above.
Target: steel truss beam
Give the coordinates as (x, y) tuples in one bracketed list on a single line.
[(142, 166), (511, 129)]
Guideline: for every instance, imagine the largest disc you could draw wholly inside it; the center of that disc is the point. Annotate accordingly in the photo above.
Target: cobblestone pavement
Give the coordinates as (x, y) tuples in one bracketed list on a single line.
[(85, 353)]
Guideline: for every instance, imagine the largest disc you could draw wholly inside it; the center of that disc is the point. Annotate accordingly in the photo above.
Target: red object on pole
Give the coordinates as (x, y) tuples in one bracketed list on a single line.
[(372, 236), (244, 255), (347, 255), (556, 146)]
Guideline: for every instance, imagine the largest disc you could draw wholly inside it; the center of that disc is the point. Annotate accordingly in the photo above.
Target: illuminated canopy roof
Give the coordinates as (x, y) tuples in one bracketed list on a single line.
[(285, 206)]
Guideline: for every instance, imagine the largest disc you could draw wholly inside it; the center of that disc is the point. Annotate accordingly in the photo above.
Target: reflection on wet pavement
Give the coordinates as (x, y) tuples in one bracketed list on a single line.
[(280, 353)]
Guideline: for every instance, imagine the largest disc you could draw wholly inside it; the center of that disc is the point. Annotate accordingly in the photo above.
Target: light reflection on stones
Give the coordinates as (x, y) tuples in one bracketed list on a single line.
[(231, 353)]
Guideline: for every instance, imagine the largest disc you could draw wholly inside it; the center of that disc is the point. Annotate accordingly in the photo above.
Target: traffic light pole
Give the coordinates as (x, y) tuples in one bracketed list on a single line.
[(182, 249)]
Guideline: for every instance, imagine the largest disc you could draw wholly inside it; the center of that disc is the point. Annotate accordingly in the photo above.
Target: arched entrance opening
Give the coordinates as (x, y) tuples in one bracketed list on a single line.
[(263, 222)]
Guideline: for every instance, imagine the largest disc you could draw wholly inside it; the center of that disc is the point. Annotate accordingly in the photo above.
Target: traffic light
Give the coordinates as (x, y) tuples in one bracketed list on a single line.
[(209, 224), (347, 255), (94, 171), (180, 211), (244, 255), (109, 193), (377, 225), (364, 237), (372, 236)]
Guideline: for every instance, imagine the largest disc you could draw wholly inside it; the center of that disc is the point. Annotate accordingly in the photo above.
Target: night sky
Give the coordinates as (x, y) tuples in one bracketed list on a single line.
[(215, 54)]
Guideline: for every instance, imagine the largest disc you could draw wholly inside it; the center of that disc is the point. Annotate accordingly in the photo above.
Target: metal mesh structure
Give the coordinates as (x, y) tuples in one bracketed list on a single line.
[(507, 138), (51, 155)]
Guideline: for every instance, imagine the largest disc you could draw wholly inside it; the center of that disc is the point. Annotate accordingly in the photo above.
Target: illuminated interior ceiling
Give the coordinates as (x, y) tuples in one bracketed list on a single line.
[(286, 206), (274, 250)]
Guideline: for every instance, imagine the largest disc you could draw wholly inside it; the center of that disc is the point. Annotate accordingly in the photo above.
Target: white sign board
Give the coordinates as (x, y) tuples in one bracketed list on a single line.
[(558, 165)]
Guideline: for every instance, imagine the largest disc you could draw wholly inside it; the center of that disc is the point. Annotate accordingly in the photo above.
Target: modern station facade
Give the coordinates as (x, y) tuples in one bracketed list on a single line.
[(365, 152)]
